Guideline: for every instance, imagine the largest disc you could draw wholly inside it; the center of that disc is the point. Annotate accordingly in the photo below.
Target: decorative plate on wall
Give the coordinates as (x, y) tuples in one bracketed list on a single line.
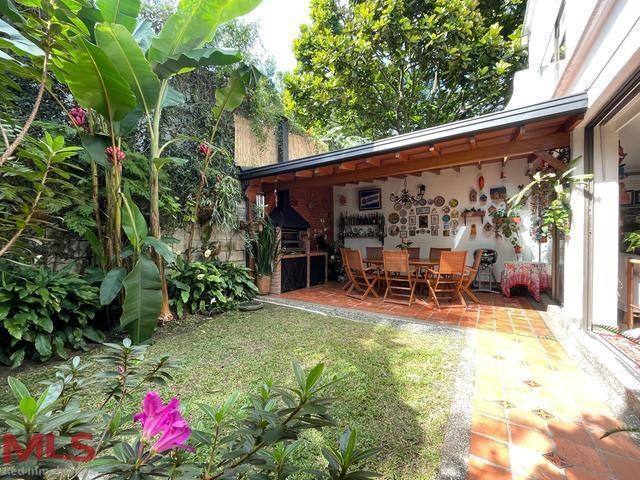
[(454, 223), (422, 202), (394, 217), (394, 230), (455, 213), (397, 206), (403, 213), (446, 218), (429, 201), (487, 227), (446, 209), (403, 220), (438, 201), (453, 203)]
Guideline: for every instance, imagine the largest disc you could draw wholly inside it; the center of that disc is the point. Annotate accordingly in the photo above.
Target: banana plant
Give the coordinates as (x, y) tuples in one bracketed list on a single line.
[(122, 72), (143, 284)]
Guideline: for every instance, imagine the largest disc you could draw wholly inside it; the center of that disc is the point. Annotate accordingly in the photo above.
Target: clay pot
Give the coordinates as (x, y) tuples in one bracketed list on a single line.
[(517, 249), (515, 219), (264, 284)]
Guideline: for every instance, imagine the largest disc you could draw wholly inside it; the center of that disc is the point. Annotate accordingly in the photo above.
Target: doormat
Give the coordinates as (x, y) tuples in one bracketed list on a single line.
[(627, 345)]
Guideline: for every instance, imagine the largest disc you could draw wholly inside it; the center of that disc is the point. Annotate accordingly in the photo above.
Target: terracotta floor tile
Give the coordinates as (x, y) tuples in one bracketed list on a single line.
[(479, 470), (527, 464), (580, 456), (618, 443), (489, 449), (624, 468), (526, 418), (489, 427), (489, 407), (531, 439), (569, 430)]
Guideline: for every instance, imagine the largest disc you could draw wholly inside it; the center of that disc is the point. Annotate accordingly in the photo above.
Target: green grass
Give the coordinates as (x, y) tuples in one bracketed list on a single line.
[(397, 389)]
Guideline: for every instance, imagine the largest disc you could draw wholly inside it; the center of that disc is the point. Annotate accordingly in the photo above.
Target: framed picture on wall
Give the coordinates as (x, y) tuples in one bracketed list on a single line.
[(626, 196), (412, 220), (403, 234), (435, 219), (636, 198), (422, 210), (423, 221), (370, 199)]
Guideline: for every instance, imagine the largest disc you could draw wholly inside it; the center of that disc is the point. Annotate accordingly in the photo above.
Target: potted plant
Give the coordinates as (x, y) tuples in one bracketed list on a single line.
[(506, 224), (405, 245), (263, 245)]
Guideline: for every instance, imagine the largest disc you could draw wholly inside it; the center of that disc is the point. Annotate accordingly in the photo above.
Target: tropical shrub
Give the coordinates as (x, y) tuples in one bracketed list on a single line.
[(237, 439), (42, 311), (263, 246), (209, 286)]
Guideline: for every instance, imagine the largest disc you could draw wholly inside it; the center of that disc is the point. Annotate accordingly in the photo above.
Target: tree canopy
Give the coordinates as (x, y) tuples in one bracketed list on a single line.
[(378, 67)]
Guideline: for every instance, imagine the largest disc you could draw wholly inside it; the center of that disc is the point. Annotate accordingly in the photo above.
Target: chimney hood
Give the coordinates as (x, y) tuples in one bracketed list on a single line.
[(284, 216)]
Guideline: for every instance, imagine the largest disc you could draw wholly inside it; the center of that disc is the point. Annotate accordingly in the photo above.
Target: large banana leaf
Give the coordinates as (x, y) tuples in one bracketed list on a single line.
[(142, 301), (123, 50), (200, 57), (143, 33), (124, 12), (96, 83), (13, 40), (195, 24), (230, 97), (133, 222), (95, 146)]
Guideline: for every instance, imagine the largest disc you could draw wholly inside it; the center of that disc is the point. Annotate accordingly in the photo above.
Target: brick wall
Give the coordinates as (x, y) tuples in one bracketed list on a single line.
[(314, 204)]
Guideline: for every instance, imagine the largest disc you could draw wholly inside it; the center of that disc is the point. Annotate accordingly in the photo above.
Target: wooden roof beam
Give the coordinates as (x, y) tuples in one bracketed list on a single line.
[(571, 123), (551, 160), (458, 159), (304, 174), (472, 143), (347, 166), (519, 134), (328, 170)]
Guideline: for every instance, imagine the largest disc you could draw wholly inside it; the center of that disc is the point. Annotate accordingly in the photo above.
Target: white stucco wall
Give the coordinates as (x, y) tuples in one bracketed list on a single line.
[(602, 51), (450, 184)]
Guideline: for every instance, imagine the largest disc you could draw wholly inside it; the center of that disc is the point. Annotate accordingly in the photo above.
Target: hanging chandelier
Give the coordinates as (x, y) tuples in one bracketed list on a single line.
[(405, 198)]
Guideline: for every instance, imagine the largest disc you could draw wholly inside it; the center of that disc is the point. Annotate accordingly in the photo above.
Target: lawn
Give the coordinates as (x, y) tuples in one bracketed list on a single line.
[(397, 388)]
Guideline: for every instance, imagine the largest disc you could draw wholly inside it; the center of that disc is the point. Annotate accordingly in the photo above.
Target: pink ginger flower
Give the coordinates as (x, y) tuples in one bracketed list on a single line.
[(174, 437), (78, 116), (164, 420), (203, 149), (119, 154)]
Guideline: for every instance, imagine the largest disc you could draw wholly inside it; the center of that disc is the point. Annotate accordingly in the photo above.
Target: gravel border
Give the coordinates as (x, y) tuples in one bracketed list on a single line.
[(457, 436)]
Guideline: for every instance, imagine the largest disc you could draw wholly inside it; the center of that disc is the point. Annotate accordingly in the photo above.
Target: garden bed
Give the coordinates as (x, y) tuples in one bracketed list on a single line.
[(397, 388)]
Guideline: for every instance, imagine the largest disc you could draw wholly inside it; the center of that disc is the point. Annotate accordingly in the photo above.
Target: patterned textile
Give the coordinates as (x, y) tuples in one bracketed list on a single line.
[(535, 276)]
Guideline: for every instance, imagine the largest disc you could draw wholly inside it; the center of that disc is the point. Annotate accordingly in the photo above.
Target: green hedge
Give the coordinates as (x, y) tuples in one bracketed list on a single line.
[(208, 287), (42, 311)]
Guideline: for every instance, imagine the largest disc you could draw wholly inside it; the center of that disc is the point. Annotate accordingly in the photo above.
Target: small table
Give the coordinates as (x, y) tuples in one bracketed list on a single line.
[(533, 275)]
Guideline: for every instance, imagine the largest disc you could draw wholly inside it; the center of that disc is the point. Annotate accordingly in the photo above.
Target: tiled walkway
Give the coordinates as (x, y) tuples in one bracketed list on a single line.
[(535, 413)]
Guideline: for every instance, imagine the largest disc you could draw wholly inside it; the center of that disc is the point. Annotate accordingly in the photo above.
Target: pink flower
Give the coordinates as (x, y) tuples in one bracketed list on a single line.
[(110, 152), (203, 148), (175, 436), (164, 420), (78, 116)]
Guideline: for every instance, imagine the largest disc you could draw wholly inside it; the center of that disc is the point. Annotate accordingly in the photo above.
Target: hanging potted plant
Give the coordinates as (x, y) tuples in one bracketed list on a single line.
[(263, 245), (506, 224)]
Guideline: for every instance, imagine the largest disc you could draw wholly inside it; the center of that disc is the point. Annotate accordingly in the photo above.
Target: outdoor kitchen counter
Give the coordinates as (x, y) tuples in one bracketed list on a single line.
[(299, 270)]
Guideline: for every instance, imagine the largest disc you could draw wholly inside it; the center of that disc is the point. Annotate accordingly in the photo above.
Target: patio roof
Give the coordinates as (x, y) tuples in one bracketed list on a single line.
[(497, 136)]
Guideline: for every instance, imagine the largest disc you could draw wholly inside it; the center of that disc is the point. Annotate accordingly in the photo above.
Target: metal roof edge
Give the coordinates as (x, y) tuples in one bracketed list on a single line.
[(568, 105)]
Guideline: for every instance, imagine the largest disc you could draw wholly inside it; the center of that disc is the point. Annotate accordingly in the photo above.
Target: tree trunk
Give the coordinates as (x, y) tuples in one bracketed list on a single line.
[(154, 220)]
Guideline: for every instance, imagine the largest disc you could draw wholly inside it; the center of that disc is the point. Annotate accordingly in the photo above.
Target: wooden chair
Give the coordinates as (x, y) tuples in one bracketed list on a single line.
[(374, 253), (362, 279), (448, 276), (344, 266), (434, 252), (414, 253), (470, 275), (400, 277)]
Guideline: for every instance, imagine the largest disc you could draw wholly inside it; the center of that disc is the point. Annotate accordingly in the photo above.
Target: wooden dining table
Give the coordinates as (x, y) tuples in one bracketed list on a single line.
[(418, 262)]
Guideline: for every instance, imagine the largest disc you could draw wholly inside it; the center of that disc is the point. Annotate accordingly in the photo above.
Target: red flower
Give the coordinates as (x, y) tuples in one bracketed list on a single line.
[(118, 153), (78, 116), (203, 148)]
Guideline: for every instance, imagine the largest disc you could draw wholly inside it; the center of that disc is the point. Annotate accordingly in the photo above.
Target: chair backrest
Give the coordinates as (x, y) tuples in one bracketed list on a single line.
[(343, 254), (396, 261), (414, 253), (477, 259), (452, 263), (374, 253), (434, 253), (354, 261)]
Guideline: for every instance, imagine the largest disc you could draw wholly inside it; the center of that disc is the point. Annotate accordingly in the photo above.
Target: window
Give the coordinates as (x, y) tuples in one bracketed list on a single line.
[(559, 37)]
